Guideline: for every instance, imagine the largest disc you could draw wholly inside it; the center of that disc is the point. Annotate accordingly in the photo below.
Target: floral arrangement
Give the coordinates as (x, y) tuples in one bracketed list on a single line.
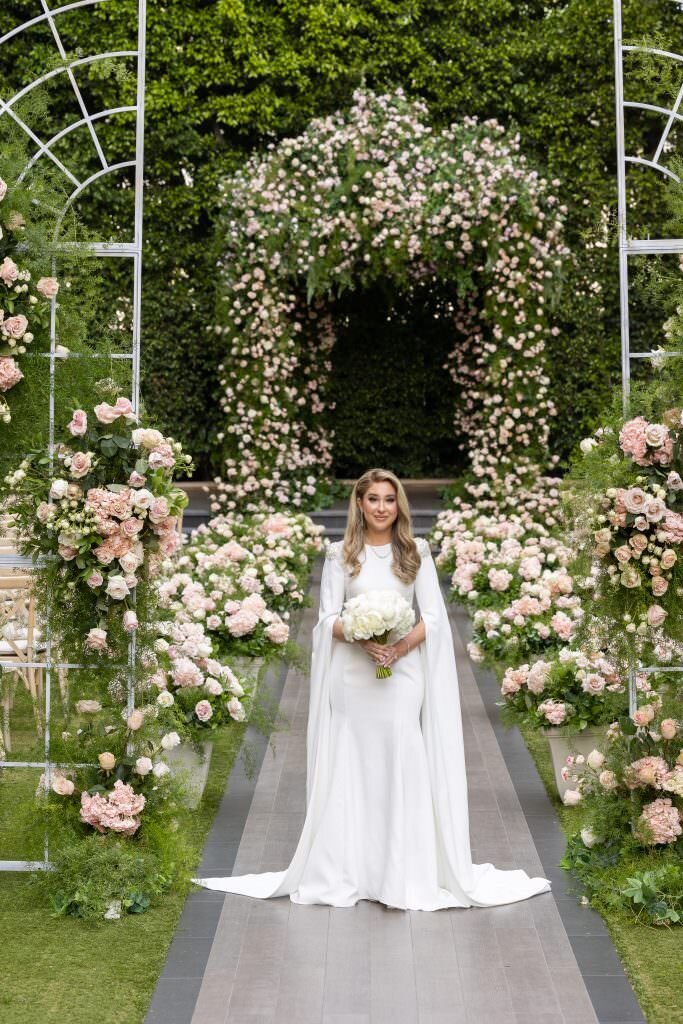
[(24, 305), (100, 513), (371, 193), (377, 614), (205, 692), (574, 690), (636, 785), (632, 529), (241, 577)]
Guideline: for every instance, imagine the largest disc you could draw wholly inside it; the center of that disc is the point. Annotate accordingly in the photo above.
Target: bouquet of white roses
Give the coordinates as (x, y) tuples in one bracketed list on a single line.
[(374, 615)]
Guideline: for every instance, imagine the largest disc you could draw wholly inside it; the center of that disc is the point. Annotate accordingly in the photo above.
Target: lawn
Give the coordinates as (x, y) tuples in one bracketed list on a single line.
[(63, 971)]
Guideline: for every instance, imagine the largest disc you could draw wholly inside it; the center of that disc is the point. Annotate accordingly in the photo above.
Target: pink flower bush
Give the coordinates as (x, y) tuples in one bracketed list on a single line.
[(115, 812)]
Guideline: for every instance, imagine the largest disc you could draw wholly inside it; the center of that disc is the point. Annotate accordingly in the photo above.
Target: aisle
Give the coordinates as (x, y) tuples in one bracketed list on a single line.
[(275, 961)]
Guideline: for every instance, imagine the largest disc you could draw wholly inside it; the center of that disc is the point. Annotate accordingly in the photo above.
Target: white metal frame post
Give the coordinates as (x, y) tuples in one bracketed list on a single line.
[(638, 246), (121, 250)]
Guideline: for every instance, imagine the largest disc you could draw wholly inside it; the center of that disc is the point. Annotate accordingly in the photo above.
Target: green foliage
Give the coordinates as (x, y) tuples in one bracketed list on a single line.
[(101, 871), (226, 77)]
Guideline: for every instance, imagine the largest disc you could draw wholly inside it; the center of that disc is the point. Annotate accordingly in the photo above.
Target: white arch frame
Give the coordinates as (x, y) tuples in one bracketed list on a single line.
[(119, 250), (638, 246)]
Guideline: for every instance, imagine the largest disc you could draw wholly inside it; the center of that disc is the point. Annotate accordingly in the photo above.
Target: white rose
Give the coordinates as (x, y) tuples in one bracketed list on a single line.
[(170, 740), (59, 489), (142, 498), (596, 759), (117, 588), (145, 437), (160, 769), (165, 699), (143, 766)]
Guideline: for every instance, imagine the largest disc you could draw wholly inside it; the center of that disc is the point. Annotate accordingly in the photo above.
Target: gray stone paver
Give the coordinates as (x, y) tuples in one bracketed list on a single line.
[(275, 961)]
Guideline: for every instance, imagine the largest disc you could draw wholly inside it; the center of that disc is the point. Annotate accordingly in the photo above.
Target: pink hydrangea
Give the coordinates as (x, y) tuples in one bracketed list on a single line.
[(277, 632), (116, 811), (186, 674), (555, 711), (660, 822), (242, 622)]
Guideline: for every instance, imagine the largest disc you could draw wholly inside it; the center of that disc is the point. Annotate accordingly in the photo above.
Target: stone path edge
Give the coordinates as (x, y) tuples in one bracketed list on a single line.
[(181, 978), (608, 986)]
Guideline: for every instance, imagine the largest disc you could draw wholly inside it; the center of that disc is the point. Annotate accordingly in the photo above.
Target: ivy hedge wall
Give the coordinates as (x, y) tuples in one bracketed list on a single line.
[(227, 76)]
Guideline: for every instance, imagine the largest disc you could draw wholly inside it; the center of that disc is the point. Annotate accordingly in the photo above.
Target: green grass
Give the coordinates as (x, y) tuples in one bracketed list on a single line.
[(652, 956), (63, 971)]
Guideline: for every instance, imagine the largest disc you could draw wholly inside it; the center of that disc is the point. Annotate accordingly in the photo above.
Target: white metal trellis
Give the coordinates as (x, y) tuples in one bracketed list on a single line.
[(639, 246), (131, 250)]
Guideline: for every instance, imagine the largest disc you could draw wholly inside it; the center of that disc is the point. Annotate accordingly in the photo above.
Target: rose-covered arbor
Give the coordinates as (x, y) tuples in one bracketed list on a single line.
[(376, 192)]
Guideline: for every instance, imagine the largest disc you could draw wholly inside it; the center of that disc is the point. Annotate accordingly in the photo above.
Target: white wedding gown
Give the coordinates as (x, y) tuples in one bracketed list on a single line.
[(387, 815)]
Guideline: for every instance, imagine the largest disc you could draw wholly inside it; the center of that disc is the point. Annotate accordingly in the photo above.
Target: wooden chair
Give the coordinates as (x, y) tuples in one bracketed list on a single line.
[(21, 644)]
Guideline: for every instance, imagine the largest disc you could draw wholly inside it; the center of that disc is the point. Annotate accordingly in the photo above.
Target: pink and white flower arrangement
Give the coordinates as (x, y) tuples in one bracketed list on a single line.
[(422, 198), (117, 811), (105, 531)]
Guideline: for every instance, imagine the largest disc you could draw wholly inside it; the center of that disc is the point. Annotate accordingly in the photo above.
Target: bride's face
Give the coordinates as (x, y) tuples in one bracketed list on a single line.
[(379, 505)]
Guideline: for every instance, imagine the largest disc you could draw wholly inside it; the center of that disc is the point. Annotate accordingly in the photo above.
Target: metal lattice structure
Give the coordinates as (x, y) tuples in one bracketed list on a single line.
[(131, 250), (628, 246)]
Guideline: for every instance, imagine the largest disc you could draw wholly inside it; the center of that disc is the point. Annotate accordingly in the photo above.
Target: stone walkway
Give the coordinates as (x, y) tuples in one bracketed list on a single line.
[(276, 962)]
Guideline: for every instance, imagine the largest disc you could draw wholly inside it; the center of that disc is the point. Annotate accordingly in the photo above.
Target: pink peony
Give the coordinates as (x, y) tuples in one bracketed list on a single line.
[(186, 674), (242, 622), (10, 374), (162, 457), (277, 632), (660, 822)]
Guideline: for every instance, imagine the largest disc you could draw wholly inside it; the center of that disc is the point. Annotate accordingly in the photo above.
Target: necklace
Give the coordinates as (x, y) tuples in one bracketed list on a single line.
[(385, 555)]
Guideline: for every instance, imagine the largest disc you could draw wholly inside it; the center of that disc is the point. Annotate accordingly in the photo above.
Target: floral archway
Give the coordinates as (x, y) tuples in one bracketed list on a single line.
[(376, 192)]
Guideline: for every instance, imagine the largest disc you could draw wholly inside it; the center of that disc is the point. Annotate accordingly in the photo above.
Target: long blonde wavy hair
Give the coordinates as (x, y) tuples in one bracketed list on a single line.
[(405, 556)]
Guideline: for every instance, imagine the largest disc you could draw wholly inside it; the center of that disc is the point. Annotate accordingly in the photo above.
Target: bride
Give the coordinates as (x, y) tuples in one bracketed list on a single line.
[(386, 789)]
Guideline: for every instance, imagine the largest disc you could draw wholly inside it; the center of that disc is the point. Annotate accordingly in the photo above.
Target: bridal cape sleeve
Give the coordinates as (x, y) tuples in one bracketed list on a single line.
[(278, 883), (475, 884)]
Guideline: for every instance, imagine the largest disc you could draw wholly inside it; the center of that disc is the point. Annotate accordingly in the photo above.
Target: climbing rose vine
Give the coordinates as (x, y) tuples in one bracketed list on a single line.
[(377, 192)]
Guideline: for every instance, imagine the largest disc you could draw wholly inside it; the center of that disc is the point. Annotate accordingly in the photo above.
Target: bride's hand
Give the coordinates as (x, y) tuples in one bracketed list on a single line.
[(375, 650)]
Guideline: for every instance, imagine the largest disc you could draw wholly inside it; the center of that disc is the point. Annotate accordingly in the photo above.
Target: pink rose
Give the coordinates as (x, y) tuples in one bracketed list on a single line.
[(95, 579), (130, 621), (124, 407), (635, 500), (656, 615), (67, 552), (96, 640), (135, 720), (136, 480), (132, 527), (9, 271), (669, 728), (106, 413), (659, 586), (162, 457), (158, 510), (668, 559), (81, 464), (10, 374), (48, 287), (608, 779), (79, 423), (644, 715), (203, 710), (624, 553), (633, 442), (62, 786), (15, 326)]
